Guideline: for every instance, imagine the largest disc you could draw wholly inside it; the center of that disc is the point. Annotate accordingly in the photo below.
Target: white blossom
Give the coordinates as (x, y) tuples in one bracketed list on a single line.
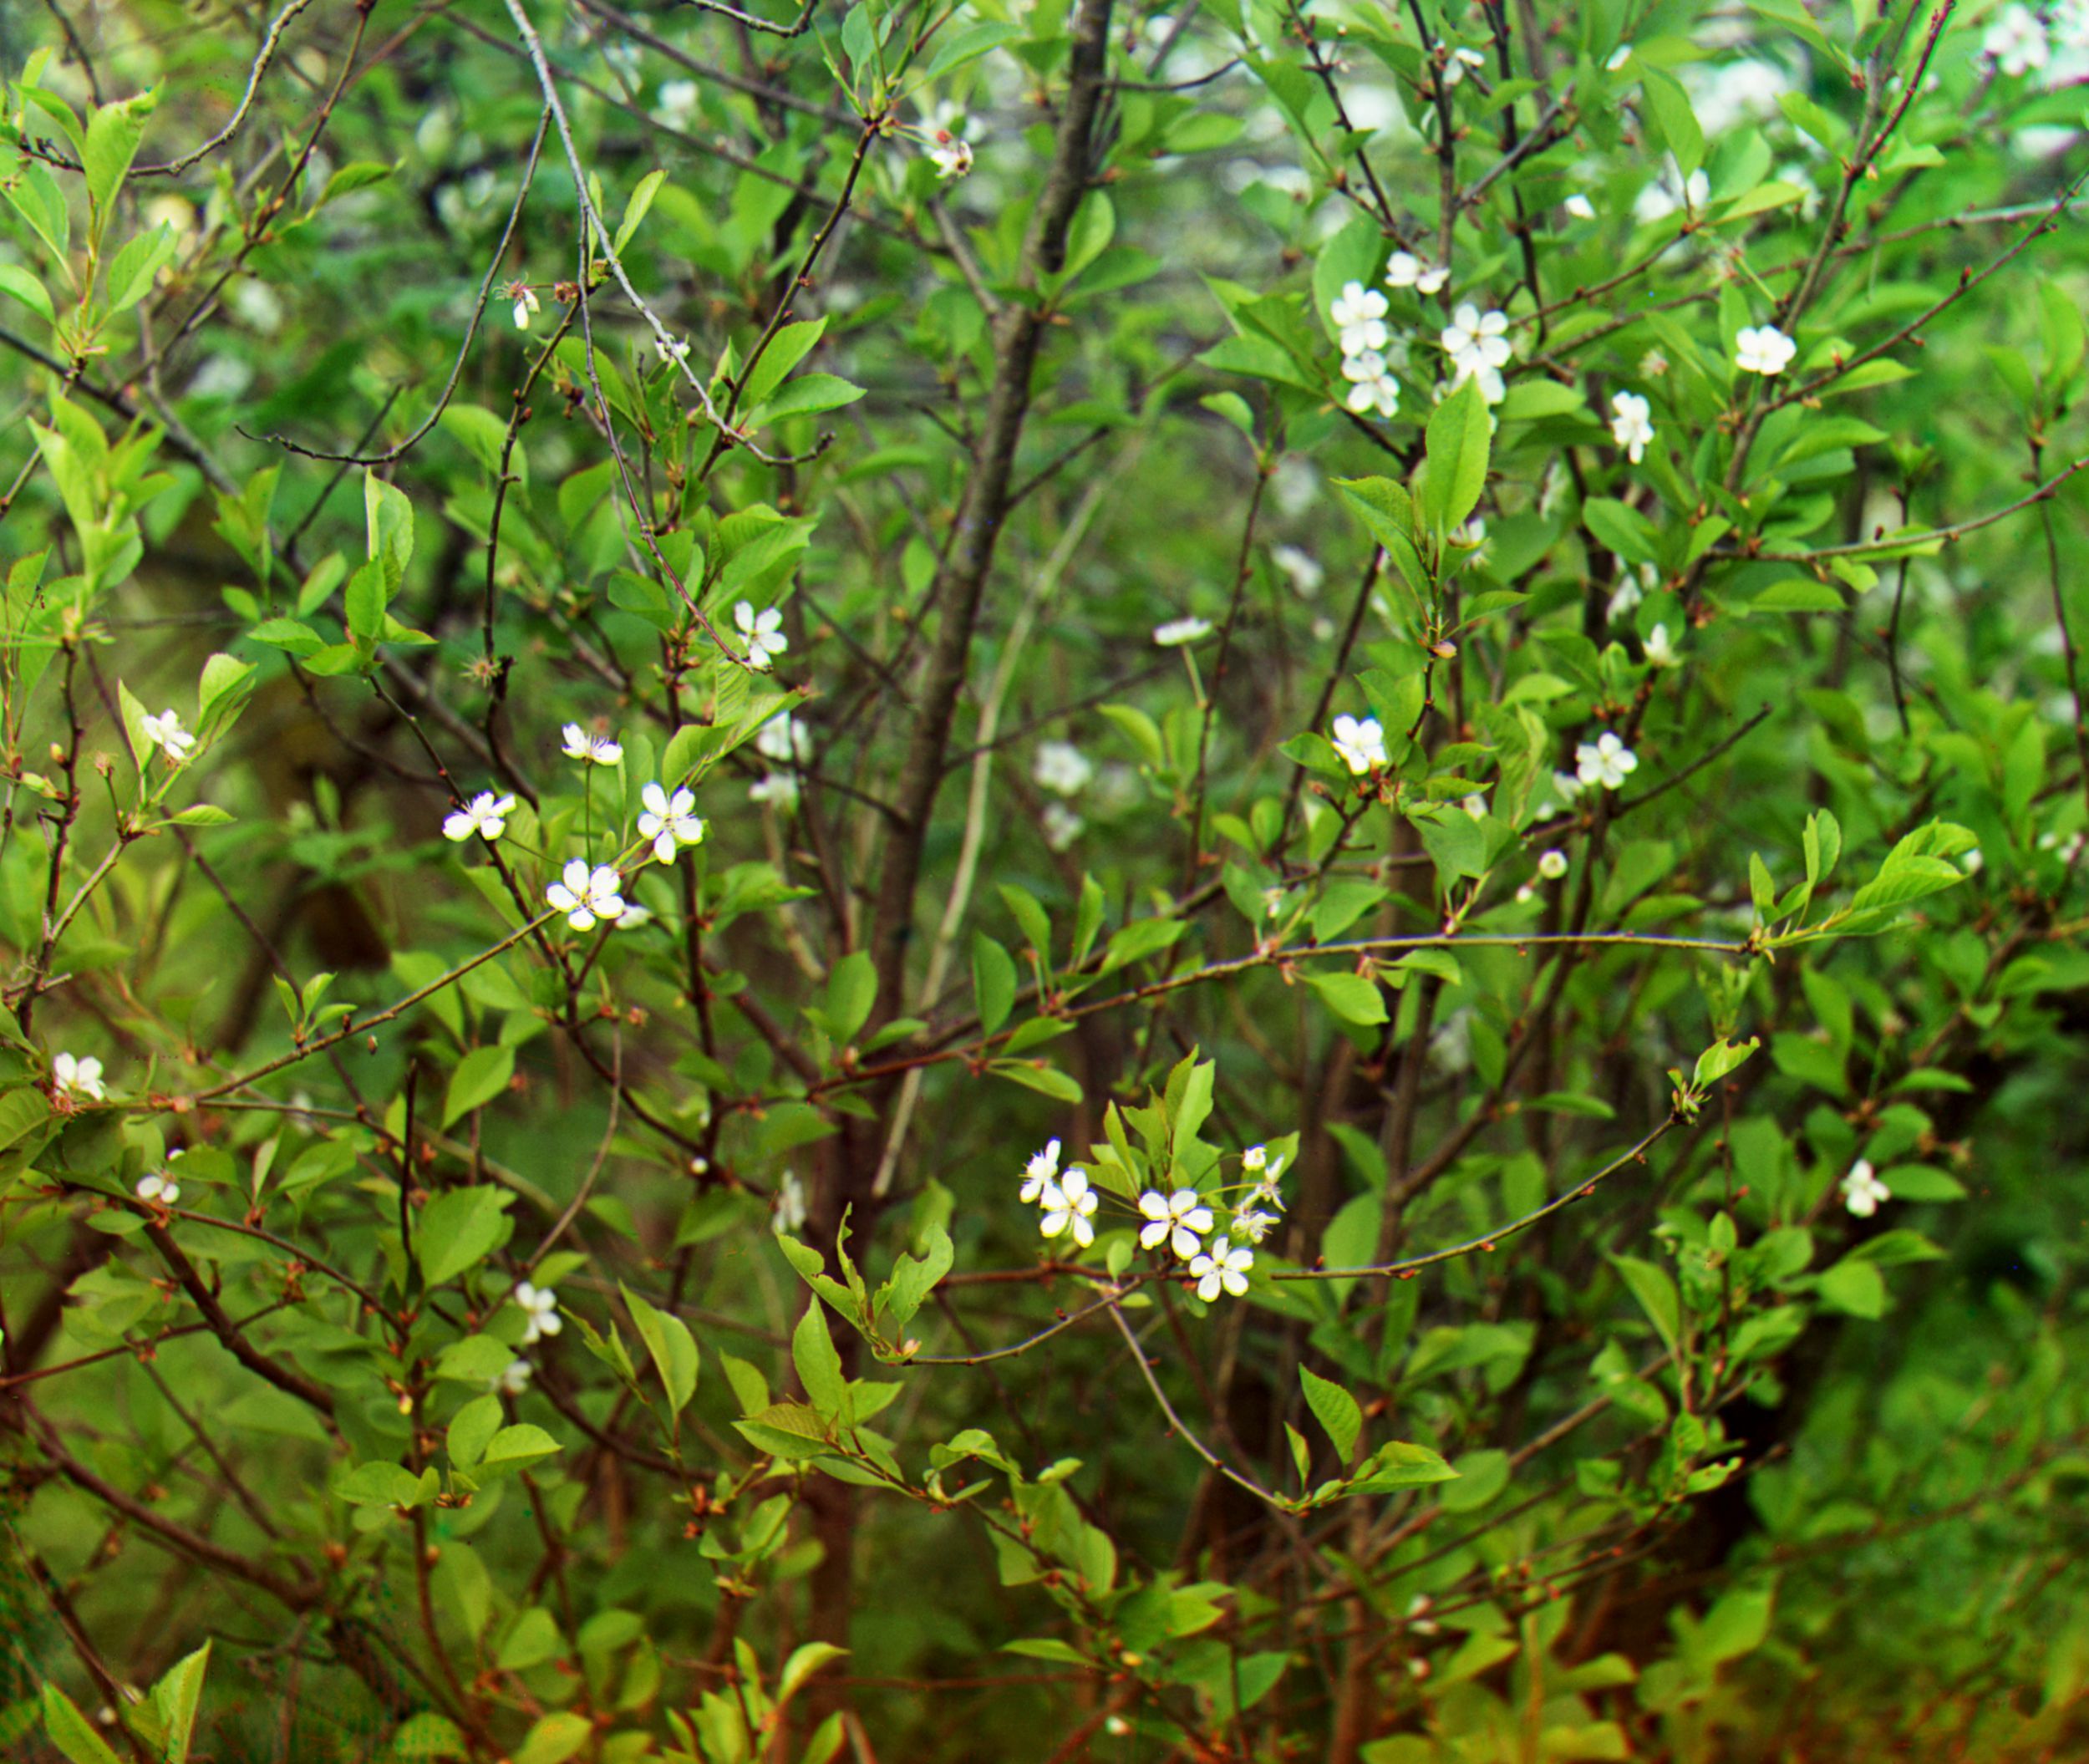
[(1372, 386), (1038, 1174), (1405, 270), (1631, 426), (1763, 349), (1660, 649), (1605, 761), (1225, 1266), (1580, 207), (783, 738), (1359, 316), (516, 1380), (1070, 1205), (1250, 1222), (1628, 594), (2016, 42), (788, 1212), (581, 745), (1361, 745), (526, 304), (1061, 768), (951, 157), (1458, 62), (160, 1187), (1474, 340), (166, 733), (1863, 1191), (1553, 865), (1177, 632), (762, 633), (78, 1077), (482, 815), (676, 104), (1653, 364), (668, 821), (1418, 1618), (1300, 568), (778, 790), (540, 1305), (585, 895), (1060, 824), (1180, 1220)]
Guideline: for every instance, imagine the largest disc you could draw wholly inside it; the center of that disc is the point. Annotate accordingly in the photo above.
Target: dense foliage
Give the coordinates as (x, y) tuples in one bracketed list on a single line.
[(1026, 880)]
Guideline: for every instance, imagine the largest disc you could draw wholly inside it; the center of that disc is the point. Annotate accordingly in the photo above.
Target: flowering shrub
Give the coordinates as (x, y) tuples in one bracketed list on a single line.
[(1046, 882)]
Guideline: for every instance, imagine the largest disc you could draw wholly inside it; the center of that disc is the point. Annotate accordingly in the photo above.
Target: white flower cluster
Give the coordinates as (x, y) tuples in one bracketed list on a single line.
[(1360, 745), (1358, 314), (2056, 46)]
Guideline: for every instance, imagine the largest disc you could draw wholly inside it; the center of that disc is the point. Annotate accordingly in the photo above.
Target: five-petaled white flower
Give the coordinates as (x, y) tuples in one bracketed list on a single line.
[(1180, 1220), (160, 1187), (1405, 270), (952, 157), (1226, 1267), (1359, 743), (1038, 1174), (525, 303), (1763, 349), (1070, 1205), (1474, 339), (166, 733), (1062, 768), (668, 821), (1359, 317), (1553, 865), (540, 1305), (516, 1380), (78, 1077), (1372, 386), (1604, 761), (585, 895), (762, 633), (482, 815), (1661, 649), (1580, 207), (1177, 632), (1459, 60), (1863, 1191), (581, 745), (1631, 424), (1250, 1222)]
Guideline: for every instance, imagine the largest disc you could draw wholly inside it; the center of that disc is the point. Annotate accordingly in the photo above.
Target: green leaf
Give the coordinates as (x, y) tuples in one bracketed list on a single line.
[(519, 1445), (992, 982), (1337, 1410), (804, 1661), (112, 135), (635, 209), (669, 1340), (1656, 1294), (71, 1731), (482, 1074), (469, 1430), (18, 282), (459, 1229), (789, 346), (1400, 1464), (819, 1363), (1350, 997), (852, 990), (174, 1700), (1457, 458), (1672, 117)]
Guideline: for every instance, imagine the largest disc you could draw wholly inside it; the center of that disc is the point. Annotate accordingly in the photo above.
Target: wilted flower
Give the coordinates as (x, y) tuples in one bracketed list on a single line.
[(1250, 1222), (952, 157), (482, 815)]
